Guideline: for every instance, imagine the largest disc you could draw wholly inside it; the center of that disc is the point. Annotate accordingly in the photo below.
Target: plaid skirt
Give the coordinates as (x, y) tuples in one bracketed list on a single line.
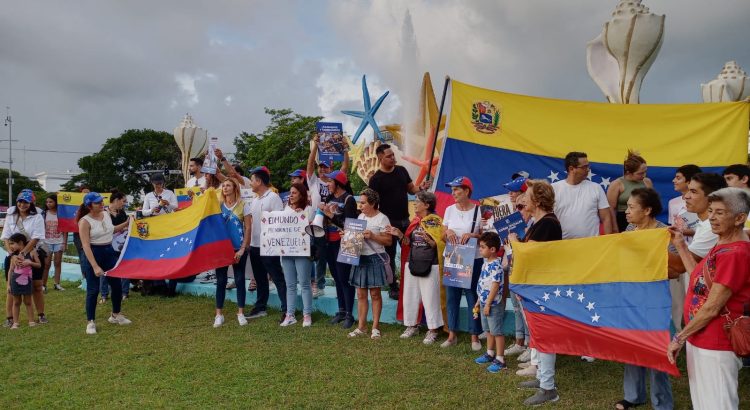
[(370, 273)]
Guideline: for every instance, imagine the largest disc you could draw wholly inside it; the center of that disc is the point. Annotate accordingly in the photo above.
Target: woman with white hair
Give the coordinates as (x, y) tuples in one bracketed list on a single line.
[(718, 291)]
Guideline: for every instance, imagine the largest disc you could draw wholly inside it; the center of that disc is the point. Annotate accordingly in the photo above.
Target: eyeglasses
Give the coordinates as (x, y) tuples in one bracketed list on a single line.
[(584, 166)]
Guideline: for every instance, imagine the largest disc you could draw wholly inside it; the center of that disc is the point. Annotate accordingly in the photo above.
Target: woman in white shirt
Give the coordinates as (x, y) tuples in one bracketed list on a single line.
[(96, 230), (370, 274), (298, 268), (462, 221)]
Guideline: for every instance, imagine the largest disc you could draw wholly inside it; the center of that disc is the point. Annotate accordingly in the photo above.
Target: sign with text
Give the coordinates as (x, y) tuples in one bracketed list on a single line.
[(210, 162), (352, 241), (331, 141), (512, 223), (458, 264), (282, 233), (495, 208)]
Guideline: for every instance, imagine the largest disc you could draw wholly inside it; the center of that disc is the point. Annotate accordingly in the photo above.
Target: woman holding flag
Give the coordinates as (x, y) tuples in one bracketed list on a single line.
[(238, 220)]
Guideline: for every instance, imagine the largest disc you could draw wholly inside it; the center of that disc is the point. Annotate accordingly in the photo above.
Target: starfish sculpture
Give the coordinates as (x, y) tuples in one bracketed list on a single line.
[(368, 115)]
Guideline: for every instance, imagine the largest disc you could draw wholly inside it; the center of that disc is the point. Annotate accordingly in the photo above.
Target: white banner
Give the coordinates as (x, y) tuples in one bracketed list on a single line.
[(282, 233)]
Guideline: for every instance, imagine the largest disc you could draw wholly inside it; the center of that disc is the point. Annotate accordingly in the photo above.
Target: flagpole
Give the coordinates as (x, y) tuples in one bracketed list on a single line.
[(437, 128)]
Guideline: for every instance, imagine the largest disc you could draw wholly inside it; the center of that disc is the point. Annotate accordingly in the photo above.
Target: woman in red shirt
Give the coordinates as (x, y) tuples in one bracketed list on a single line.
[(719, 286)]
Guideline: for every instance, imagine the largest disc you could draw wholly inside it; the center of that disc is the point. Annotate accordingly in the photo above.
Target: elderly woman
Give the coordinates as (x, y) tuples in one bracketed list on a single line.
[(96, 230), (422, 248), (718, 290), (644, 205), (619, 191), (370, 274), (24, 219), (462, 222)]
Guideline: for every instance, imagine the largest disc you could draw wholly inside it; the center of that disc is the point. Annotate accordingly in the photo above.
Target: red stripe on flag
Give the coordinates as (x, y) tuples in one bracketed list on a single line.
[(201, 259), (67, 225), (555, 334)]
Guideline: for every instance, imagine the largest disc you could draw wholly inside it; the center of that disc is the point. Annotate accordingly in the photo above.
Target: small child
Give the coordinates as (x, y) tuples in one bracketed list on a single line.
[(491, 301), (20, 279)]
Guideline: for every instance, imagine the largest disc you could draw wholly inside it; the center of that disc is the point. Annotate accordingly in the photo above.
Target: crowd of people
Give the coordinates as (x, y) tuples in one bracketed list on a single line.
[(709, 258)]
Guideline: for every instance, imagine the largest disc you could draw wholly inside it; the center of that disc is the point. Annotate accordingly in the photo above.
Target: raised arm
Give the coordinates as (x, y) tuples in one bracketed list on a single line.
[(313, 153)]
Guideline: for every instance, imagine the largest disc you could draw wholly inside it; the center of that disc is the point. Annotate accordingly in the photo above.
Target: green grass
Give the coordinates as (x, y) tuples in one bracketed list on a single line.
[(171, 357)]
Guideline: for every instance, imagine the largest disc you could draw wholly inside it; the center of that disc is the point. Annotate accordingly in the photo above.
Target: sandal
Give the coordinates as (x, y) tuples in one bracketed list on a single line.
[(253, 286), (375, 334), (626, 405), (356, 332)]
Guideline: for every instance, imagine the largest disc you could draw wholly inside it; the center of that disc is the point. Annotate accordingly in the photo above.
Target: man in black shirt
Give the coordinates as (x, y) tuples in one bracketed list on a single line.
[(393, 183)]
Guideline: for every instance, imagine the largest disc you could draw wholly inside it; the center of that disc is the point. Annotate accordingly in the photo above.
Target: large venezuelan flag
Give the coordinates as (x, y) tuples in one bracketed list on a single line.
[(606, 297), (492, 134), (67, 206), (183, 198), (177, 244)]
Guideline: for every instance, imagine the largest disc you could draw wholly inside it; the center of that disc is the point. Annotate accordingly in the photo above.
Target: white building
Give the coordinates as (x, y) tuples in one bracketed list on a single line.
[(52, 181)]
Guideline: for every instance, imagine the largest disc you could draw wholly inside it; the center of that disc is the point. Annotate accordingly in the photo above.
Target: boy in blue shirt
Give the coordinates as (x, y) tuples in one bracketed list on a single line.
[(491, 301)]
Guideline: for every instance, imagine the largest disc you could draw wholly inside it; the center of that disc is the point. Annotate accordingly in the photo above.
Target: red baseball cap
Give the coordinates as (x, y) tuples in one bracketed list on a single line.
[(462, 182), (338, 176)]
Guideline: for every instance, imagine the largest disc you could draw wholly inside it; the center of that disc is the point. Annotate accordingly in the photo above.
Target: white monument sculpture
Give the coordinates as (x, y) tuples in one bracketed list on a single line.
[(620, 56), (732, 84), (192, 141)]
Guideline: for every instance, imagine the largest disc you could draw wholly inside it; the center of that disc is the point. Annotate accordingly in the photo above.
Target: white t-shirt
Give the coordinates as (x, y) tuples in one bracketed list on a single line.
[(376, 225), (269, 201), (33, 225), (152, 201), (703, 240), (460, 222), (199, 182), (317, 189), (577, 207)]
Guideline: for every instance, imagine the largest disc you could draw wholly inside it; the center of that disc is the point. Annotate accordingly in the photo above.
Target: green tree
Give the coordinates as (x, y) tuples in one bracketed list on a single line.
[(116, 164), (20, 182), (282, 147)]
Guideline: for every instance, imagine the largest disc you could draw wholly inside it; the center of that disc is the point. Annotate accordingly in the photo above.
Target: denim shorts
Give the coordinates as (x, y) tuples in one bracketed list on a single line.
[(54, 247), (494, 322)]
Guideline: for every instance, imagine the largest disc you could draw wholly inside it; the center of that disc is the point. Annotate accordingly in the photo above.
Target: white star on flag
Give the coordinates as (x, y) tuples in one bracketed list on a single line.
[(595, 318), (553, 176), (591, 175), (537, 302), (569, 293), (581, 297), (557, 293), (541, 308), (546, 296), (605, 182), (590, 306)]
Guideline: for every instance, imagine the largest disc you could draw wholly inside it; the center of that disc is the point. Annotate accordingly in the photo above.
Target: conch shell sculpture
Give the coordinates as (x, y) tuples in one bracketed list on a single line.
[(732, 84), (192, 141), (365, 160), (620, 56)]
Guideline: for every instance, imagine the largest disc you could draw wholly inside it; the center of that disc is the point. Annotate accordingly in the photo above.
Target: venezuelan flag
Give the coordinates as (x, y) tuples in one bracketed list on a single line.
[(492, 134), (67, 206), (177, 244), (606, 297), (183, 199)]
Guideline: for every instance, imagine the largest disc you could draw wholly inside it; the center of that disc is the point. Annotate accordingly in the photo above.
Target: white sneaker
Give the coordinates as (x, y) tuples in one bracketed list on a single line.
[(514, 349), (91, 328), (587, 359), (430, 337), (448, 343), (288, 320), (409, 332), (527, 372), (218, 320), (241, 318), (58, 287), (524, 365), (525, 356), (483, 336), (307, 321), (476, 346), (119, 320)]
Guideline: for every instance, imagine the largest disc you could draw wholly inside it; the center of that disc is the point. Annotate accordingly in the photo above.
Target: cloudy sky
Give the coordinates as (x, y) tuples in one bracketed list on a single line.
[(78, 72)]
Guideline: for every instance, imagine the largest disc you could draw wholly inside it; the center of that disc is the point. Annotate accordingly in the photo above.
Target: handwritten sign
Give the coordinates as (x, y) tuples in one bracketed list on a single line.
[(282, 233)]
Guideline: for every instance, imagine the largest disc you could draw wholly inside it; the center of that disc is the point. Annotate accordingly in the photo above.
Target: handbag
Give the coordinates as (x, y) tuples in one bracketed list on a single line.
[(419, 268), (737, 330), (386, 261)]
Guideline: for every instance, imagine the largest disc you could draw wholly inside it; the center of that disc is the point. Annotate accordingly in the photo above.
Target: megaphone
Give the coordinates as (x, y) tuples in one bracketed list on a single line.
[(315, 229)]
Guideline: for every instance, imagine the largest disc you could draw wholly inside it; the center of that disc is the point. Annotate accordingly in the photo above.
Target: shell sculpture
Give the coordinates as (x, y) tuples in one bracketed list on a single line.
[(192, 141), (732, 84), (366, 161), (620, 56)]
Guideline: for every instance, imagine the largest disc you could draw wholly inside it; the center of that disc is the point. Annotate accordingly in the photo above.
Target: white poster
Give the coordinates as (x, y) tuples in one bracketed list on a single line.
[(210, 162), (282, 233)]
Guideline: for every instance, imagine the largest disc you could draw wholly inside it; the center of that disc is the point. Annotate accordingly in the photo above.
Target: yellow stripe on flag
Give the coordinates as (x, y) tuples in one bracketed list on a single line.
[(76, 198), (638, 256), (176, 223), (665, 134)]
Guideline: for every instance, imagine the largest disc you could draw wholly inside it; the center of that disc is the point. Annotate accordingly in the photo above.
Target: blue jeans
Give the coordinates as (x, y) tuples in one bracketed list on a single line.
[(104, 285), (634, 386), (545, 373), (239, 280), (522, 330), (296, 269), (319, 266), (262, 267), (105, 257), (453, 302), (341, 273)]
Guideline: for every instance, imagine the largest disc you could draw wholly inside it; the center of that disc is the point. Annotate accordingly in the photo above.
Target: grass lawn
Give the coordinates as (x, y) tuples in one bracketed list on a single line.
[(171, 357)]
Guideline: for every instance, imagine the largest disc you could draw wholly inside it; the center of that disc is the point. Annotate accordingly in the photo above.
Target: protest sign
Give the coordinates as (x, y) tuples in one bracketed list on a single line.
[(247, 195), (331, 142), (494, 209), (512, 223), (458, 264), (352, 241), (282, 233), (210, 163)]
